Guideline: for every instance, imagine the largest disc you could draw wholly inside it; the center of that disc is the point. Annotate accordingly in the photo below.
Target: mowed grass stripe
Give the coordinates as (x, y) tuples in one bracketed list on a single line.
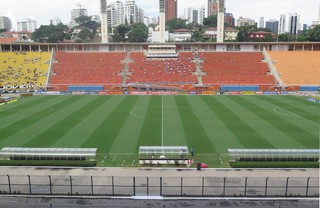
[(77, 136), (294, 131), (150, 134), (129, 135), (303, 103), (56, 131), (22, 113), (194, 131), (26, 122), (23, 105), (244, 132), (262, 120), (173, 129), (285, 104), (105, 134), (215, 128)]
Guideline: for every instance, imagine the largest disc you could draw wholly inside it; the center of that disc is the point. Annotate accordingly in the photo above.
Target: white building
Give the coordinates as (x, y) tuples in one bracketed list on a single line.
[(261, 22), (75, 13), (130, 12), (282, 24), (116, 13), (195, 15), (294, 23), (245, 21), (27, 25), (182, 35)]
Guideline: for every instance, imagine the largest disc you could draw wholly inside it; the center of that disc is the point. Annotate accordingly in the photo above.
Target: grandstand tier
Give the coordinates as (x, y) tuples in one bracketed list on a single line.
[(24, 69), (179, 71), (87, 68), (242, 68), (297, 67)]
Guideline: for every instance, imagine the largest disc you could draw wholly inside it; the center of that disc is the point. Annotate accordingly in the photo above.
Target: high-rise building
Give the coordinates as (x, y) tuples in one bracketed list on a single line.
[(104, 22), (27, 25), (304, 27), (229, 19), (5, 23), (194, 15), (75, 13), (273, 25), (212, 7), (245, 21), (294, 23), (132, 14), (282, 24), (261, 22), (171, 8)]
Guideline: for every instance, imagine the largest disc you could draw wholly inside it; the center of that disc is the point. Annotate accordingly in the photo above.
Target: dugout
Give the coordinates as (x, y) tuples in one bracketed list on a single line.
[(269, 155), (163, 155), (48, 154)]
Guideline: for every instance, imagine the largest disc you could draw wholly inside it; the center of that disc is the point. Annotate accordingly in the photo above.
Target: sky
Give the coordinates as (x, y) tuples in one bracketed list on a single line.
[(44, 10)]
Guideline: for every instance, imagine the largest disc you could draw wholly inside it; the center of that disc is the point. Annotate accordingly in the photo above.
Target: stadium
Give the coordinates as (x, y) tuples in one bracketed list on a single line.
[(160, 124)]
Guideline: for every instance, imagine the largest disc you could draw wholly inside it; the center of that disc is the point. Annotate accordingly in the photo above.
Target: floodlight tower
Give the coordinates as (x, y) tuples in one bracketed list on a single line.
[(220, 27), (162, 21), (104, 21)]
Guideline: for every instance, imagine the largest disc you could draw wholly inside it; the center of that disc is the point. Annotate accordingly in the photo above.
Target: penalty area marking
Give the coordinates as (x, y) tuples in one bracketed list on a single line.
[(291, 114)]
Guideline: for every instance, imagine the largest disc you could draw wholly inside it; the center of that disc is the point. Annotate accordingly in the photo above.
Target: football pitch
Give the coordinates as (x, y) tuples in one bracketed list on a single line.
[(119, 125)]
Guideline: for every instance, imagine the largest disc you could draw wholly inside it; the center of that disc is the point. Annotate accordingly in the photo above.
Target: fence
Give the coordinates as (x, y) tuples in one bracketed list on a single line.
[(160, 186)]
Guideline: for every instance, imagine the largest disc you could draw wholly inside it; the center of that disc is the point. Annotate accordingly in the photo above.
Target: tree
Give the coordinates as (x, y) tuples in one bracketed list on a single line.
[(85, 35), (86, 22), (243, 34), (3, 30), (51, 33), (313, 35), (176, 23), (120, 33), (138, 33), (211, 21)]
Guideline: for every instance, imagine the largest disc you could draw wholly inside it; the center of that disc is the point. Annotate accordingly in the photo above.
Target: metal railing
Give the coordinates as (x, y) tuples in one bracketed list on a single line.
[(160, 186)]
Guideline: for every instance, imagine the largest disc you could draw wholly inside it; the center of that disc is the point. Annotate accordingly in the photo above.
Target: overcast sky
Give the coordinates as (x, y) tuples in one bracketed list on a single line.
[(44, 10)]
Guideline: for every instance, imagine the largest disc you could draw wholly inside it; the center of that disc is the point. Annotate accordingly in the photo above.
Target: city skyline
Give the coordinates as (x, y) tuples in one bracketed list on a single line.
[(272, 9)]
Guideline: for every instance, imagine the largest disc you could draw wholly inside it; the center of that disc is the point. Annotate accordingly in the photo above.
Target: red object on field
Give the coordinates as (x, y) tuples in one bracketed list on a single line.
[(203, 165)]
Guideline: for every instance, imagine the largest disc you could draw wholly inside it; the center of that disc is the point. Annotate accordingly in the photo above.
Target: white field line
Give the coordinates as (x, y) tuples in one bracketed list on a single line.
[(292, 114), (162, 121)]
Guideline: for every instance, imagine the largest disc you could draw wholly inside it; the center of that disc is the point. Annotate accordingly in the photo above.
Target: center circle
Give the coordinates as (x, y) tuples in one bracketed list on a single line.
[(162, 113)]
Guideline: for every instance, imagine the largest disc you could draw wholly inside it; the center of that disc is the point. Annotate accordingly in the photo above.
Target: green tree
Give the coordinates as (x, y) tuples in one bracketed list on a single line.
[(244, 31), (176, 23), (85, 35), (210, 21), (51, 33), (120, 33), (86, 22), (313, 35), (3, 30), (138, 33)]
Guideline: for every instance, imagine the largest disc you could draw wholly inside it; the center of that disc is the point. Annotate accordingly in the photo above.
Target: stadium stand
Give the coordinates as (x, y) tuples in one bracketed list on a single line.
[(174, 71), (298, 67), (235, 68), (24, 69), (87, 68)]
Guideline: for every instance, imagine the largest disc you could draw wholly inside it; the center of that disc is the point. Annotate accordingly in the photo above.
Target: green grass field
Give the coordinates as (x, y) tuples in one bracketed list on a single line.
[(118, 125)]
